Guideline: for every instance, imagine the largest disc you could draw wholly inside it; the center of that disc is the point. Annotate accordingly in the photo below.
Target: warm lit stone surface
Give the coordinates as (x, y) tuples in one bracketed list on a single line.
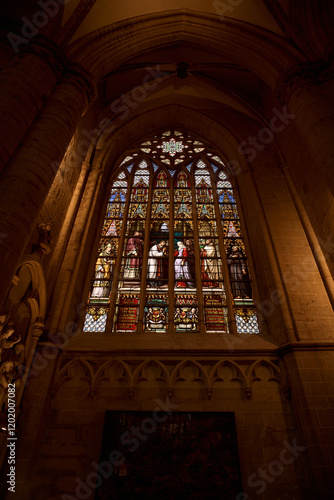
[(60, 144)]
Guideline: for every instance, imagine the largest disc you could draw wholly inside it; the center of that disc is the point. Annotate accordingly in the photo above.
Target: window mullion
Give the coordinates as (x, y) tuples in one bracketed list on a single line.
[(171, 261), (143, 285), (227, 285), (248, 252), (114, 288), (201, 319)]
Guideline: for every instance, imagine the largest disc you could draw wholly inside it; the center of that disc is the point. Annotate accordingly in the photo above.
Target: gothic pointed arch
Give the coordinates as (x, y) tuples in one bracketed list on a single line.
[(172, 257), (237, 39)]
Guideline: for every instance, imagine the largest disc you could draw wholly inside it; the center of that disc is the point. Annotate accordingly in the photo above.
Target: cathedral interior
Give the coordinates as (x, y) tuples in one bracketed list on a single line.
[(166, 249)]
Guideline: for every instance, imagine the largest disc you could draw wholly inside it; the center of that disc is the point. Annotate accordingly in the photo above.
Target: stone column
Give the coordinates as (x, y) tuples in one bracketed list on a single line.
[(68, 274), (310, 234), (301, 93), (25, 83), (28, 178), (265, 253), (65, 232)]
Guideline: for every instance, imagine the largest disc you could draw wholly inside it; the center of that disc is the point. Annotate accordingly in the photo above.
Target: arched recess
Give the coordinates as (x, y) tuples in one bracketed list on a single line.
[(236, 41), (168, 114), (226, 143)]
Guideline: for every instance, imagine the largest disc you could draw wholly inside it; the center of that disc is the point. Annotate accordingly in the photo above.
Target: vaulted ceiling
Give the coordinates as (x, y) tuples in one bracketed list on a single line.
[(106, 12)]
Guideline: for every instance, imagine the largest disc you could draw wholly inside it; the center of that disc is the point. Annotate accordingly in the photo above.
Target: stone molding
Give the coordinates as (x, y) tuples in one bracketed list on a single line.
[(130, 373), (132, 36), (82, 80)]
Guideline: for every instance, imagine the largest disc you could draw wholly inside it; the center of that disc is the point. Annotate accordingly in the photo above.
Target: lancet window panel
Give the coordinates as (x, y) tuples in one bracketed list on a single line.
[(171, 256)]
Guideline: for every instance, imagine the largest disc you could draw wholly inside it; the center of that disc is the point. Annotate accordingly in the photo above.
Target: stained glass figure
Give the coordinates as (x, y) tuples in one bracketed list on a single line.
[(157, 261), (240, 282), (183, 231), (142, 221), (134, 257), (181, 266), (189, 242), (209, 263), (101, 288)]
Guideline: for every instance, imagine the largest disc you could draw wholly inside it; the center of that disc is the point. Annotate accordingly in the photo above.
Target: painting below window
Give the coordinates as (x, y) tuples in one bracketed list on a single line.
[(181, 456)]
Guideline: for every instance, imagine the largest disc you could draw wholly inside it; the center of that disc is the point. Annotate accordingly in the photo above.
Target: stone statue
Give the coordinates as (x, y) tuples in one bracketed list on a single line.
[(4, 342)]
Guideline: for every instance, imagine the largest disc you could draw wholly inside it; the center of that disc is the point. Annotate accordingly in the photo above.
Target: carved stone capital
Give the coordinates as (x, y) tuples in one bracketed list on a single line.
[(92, 392), (38, 329), (42, 246), (302, 75), (248, 392), (131, 392), (82, 80), (209, 392), (15, 280), (286, 390), (170, 392)]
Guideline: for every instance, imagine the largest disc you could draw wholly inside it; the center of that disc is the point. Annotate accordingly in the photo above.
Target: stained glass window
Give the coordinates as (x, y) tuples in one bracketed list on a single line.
[(172, 256)]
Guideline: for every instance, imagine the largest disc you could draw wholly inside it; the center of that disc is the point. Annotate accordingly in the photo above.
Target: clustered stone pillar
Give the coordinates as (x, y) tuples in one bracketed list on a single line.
[(25, 83), (28, 177), (65, 285)]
